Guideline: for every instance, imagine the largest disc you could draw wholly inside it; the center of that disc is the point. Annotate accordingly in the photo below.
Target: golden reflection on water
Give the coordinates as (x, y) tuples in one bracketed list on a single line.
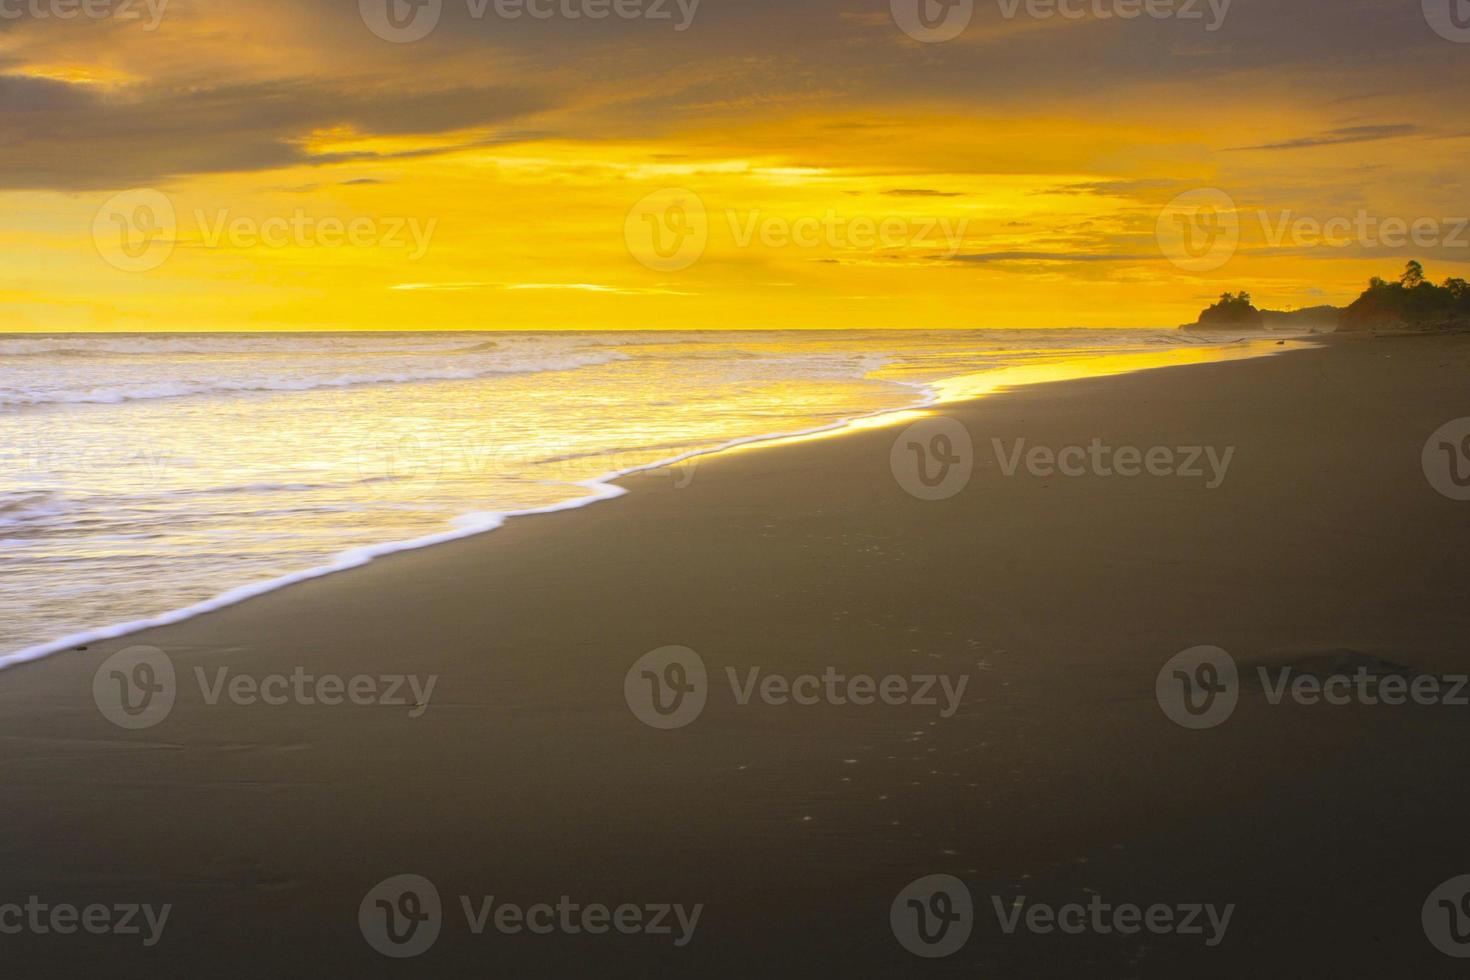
[(119, 511), (1047, 367), (966, 387)]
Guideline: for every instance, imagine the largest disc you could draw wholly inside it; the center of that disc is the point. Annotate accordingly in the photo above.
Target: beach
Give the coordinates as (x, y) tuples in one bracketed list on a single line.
[(1302, 535)]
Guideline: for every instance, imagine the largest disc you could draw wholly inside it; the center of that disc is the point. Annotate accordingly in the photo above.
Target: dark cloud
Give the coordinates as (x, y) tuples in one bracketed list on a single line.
[(738, 59), (23, 96), (1120, 188), (1336, 137), (77, 137)]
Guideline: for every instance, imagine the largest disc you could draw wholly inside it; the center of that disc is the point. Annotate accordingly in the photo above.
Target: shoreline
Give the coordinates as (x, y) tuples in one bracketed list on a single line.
[(1060, 598), (604, 486)]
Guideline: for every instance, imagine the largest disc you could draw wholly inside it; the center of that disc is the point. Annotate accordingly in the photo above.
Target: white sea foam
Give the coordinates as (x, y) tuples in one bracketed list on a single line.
[(214, 469), (464, 526)]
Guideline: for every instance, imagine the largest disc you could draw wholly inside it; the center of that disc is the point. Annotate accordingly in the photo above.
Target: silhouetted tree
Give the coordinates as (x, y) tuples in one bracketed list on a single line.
[(1413, 301)]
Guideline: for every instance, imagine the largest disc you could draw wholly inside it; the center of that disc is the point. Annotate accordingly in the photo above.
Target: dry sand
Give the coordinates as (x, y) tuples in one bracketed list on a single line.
[(1059, 777)]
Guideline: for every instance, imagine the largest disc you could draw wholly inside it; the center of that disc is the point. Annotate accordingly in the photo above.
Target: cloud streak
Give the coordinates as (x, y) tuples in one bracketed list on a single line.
[(1338, 137)]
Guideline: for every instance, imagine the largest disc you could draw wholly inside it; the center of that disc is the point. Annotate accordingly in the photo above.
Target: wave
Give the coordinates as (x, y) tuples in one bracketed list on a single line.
[(466, 525), (17, 509), (477, 522), (26, 398)]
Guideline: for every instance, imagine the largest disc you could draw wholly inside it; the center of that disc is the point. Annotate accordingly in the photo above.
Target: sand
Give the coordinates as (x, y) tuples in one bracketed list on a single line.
[(1058, 777)]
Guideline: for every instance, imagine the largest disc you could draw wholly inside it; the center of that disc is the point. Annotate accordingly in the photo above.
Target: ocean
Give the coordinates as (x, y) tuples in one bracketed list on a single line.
[(145, 478)]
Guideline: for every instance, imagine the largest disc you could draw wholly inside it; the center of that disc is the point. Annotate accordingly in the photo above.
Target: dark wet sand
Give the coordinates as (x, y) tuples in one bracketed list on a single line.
[(529, 778)]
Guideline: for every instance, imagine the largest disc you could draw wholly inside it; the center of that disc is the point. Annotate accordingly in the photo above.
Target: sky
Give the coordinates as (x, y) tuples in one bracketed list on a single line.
[(724, 164)]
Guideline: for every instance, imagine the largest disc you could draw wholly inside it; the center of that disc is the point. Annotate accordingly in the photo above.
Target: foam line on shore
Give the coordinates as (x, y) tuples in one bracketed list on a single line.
[(482, 522)]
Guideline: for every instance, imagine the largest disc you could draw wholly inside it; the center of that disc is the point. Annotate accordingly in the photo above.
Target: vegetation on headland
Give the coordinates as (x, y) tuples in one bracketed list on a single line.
[(1236, 311), (1411, 303), (1233, 310)]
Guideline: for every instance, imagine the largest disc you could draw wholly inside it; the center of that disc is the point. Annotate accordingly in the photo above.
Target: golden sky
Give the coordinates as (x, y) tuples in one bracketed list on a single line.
[(201, 165)]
